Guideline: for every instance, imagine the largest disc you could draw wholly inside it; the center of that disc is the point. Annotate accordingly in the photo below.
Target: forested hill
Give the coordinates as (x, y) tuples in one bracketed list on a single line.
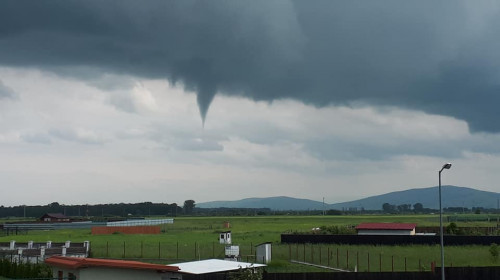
[(273, 203), (428, 197), (452, 196)]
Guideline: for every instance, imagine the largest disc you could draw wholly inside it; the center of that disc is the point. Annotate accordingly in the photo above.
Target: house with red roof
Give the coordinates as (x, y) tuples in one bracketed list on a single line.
[(92, 269), (386, 229)]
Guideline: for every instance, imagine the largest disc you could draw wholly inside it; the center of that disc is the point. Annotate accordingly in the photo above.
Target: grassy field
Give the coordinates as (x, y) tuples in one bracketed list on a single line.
[(191, 238)]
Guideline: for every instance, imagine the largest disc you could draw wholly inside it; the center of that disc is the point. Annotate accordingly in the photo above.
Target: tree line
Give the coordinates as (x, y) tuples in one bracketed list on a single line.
[(419, 208), (403, 208), (101, 210)]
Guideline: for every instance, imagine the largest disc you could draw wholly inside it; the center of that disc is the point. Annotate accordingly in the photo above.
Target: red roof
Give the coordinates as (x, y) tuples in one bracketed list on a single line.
[(386, 226), (74, 263)]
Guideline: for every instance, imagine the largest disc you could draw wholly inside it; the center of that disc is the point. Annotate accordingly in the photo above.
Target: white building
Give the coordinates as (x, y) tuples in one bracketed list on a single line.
[(263, 253), (386, 229), (225, 237)]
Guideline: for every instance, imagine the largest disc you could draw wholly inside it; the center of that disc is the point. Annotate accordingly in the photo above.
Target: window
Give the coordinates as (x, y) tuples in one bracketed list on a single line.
[(59, 275), (71, 276)]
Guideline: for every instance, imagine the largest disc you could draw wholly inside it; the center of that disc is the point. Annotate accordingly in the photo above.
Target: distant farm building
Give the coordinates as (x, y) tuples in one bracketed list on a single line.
[(54, 217), (386, 229)]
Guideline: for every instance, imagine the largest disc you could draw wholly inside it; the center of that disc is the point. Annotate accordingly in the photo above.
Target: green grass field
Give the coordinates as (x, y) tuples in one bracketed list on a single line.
[(192, 238)]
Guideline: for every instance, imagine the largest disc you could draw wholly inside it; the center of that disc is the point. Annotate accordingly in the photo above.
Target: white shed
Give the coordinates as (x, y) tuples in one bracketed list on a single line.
[(263, 253), (225, 237)]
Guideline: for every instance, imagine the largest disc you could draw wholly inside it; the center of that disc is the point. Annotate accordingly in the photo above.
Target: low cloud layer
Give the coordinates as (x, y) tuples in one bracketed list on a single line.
[(64, 134), (440, 58)]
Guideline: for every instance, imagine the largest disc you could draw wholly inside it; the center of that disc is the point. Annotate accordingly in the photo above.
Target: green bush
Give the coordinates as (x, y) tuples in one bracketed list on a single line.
[(335, 230), (494, 251), (23, 270), (246, 274)]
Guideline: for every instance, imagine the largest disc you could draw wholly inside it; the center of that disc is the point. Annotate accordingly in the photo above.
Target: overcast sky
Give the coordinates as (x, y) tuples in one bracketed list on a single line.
[(164, 101)]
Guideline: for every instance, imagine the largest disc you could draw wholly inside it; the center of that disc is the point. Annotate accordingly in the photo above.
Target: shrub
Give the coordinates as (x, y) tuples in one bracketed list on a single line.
[(452, 229), (494, 251), (246, 274), (336, 230), (24, 270)]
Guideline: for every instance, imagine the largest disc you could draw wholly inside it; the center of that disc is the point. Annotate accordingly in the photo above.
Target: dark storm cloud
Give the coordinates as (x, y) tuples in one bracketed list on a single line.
[(424, 55), (6, 92)]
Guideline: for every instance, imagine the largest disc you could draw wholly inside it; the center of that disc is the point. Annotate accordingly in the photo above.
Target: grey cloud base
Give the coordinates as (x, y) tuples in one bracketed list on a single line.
[(435, 57)]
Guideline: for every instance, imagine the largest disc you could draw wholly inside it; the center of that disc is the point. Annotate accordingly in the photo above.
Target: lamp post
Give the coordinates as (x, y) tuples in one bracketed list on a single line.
[(445, 166)]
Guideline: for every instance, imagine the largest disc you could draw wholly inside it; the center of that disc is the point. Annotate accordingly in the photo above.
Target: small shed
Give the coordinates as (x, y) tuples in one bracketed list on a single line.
[(225, 237), (54, 217), (386, 229), (263, 253)]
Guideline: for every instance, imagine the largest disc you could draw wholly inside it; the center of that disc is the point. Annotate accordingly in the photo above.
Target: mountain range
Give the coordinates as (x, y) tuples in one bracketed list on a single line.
[(452, 196)]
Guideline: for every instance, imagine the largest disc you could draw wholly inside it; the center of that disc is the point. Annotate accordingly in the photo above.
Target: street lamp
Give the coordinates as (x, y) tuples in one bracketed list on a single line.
[(445, 166)]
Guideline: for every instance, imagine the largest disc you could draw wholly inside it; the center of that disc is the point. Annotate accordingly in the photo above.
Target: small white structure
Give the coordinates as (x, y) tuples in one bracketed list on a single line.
[(263, 253), (225, 237), (386, 229), (232, 253), (92, 269)]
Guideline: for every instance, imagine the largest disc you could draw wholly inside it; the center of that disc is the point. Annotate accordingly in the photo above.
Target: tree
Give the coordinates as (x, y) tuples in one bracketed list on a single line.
[(404, 207), (418, 207), (494, 251), (189, 206), (174, 209), (54, 205), (389, 208), (452, 228)]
